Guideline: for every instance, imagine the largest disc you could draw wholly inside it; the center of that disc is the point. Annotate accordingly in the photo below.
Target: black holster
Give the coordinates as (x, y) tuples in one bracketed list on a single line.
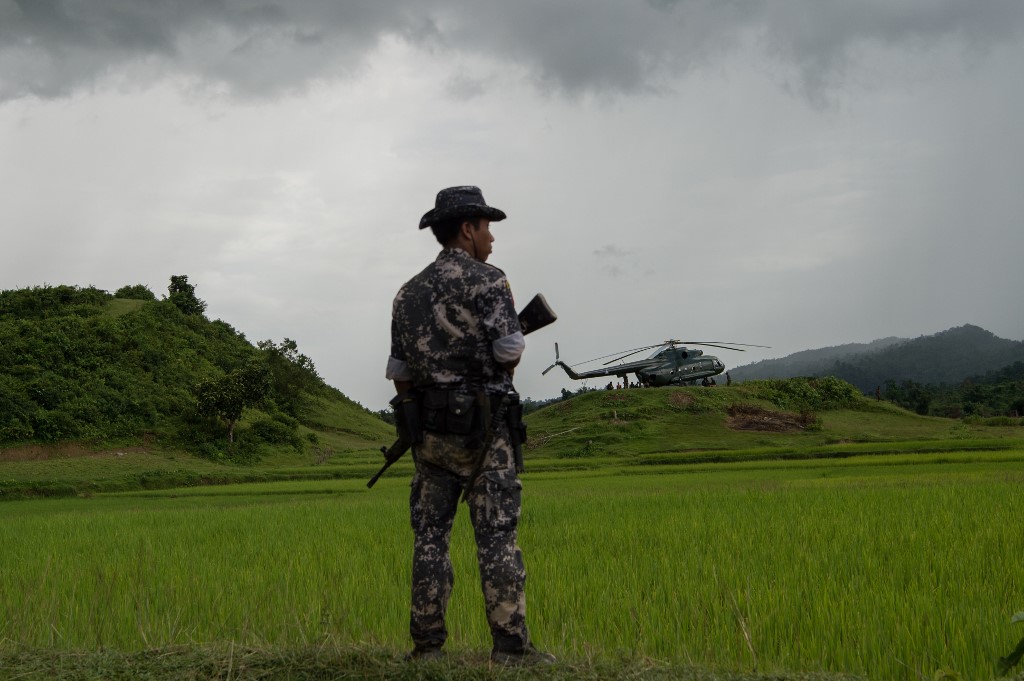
[(407, 416), (516, 427)]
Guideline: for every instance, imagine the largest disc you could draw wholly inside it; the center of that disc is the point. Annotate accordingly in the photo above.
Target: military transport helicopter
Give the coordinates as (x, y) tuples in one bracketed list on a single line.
[(671, 363)]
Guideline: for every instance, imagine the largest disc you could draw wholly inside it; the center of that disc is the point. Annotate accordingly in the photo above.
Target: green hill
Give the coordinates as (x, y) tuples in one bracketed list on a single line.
[(799, 418), (83, 370)]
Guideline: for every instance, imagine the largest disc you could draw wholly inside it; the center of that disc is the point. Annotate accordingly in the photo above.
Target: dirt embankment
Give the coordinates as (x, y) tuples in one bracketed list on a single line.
[(62, 450), (751, 417)]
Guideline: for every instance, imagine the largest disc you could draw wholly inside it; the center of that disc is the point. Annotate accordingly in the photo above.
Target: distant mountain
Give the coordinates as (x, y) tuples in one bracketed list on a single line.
[(946, 357), (809, 362)]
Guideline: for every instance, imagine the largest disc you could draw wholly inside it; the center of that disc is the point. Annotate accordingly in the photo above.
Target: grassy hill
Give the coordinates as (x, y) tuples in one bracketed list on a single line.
[(90, 381), (773, 418)]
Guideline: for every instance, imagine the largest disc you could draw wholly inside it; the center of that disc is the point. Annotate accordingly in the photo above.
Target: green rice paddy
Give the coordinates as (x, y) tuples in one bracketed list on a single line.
[(898, 563)]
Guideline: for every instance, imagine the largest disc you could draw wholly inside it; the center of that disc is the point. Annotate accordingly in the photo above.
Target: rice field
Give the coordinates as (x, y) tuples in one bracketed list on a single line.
[(888, 569)]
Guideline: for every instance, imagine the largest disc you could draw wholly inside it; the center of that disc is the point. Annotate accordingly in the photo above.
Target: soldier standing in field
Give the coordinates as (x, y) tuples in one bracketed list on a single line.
[(455, 342)]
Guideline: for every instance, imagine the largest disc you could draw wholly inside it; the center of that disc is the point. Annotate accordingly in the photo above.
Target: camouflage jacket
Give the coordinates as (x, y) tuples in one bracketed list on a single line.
[(454, 324)]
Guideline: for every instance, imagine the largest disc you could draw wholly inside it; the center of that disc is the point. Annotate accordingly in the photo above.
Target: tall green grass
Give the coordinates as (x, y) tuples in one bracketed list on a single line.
[(889, 571)]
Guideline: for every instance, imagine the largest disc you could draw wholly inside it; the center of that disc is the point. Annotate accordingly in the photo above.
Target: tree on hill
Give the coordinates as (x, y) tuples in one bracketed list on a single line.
[(227, 396), (183, 295), (292, 374)]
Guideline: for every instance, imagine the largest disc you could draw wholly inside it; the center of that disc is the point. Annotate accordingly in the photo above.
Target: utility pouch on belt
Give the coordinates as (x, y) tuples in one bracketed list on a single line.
[(450, 411)]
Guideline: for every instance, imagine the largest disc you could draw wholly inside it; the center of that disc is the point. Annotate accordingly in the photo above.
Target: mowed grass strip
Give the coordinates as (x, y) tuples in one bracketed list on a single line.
[(896, 573)]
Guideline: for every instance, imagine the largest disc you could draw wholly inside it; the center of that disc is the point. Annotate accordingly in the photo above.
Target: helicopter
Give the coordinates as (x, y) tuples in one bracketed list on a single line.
[(671, 363)]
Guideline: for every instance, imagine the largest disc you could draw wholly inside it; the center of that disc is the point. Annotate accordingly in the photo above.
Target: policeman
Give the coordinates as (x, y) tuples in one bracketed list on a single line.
[(455, 341)]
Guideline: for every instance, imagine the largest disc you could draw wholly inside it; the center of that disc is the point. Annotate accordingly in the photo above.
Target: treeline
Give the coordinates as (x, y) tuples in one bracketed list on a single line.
[(996, 393), (84, 364)]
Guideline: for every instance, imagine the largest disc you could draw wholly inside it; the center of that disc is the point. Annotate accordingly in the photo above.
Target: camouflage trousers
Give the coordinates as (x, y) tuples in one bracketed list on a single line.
[(443, 466)]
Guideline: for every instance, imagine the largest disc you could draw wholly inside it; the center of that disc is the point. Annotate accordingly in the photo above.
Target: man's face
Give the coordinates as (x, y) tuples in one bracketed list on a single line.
[(482, 240)]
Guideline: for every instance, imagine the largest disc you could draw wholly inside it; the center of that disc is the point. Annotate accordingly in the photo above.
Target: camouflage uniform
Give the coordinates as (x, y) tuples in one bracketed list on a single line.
[(448, 322)]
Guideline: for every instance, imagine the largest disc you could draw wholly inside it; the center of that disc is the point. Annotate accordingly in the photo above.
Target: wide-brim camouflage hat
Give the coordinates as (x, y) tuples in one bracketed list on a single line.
[(460, 202)]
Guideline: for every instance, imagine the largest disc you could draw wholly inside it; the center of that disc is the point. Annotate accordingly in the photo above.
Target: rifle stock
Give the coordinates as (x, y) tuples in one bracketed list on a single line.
[(536, 315)]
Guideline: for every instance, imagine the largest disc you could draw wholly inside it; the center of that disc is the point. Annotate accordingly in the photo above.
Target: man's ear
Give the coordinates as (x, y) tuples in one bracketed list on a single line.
[(466, 228)]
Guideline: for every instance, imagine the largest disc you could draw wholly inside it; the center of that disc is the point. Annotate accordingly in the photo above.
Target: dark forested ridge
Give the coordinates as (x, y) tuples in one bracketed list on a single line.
[(817, 362), (947, 357), (84, 364), (962, 371)]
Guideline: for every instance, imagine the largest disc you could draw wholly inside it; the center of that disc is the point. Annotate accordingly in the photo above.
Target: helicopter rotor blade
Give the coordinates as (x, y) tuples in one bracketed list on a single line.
[(746, 345), (721, 344), (628, 352), (633, 352)]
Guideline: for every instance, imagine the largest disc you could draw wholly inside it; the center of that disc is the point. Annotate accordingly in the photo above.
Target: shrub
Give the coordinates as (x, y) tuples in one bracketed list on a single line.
[(135, 292), (976, 420), (14, 429), (278, 430), (806, 393), (51, 426)]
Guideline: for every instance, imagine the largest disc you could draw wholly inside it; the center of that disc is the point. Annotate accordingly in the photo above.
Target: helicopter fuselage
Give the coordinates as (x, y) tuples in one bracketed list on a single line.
[(679, 366), (667, 366)]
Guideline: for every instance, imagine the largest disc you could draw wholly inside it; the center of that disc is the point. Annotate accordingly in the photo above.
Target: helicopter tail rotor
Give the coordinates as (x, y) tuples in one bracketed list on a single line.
[(553, 365), (565, 367)]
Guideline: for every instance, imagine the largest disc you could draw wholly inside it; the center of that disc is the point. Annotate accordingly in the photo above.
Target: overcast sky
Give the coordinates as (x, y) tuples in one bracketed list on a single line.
[(790, 173)]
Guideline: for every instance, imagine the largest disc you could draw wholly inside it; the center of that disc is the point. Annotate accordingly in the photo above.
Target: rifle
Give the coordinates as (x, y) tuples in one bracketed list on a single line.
[(407, 422), (396, 452)]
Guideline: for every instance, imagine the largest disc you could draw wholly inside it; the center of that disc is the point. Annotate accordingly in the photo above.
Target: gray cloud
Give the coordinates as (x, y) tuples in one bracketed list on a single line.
[(464, 88), (51, 48), (611, 251), (822, 41)]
